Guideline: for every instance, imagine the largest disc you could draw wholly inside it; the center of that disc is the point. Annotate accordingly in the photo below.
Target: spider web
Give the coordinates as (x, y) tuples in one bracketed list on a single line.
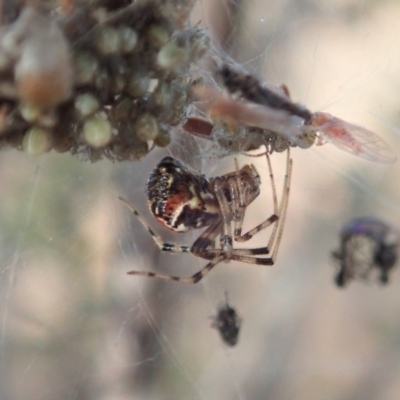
[(75, 326)]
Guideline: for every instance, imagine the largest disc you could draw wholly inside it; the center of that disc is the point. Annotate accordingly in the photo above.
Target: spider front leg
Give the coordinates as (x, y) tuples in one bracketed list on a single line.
[(163, 246), (203, 247)]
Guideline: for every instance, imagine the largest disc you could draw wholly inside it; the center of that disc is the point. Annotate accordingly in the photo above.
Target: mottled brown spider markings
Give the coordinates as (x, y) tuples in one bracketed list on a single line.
[(182, 200), (179, 199)]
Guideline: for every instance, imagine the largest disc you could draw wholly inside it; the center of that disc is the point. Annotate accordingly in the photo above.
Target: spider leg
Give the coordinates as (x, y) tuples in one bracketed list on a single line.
[(190, 279), (247, 236), (226, 215), (202, 247), (239, 237), (277, 232), (163, 246), (248, 255), (253, 260)]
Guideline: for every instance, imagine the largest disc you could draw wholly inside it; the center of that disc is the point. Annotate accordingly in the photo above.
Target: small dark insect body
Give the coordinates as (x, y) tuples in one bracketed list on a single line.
[(182, 200), (364, 246), (228, 324)]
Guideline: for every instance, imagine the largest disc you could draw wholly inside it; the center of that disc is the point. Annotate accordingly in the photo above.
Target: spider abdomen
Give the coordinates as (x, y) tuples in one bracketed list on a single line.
[(180, 199)]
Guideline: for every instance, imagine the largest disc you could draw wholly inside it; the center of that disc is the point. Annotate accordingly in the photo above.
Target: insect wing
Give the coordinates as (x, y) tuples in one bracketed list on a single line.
[(353, 138)]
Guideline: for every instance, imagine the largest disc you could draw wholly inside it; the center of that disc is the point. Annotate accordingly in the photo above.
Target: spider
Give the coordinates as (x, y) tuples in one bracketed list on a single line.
[(364, 246), (228, 323), (182, 200)]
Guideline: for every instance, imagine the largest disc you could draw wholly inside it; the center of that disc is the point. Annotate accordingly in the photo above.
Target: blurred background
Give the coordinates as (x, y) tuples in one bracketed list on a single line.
[(73, 325)]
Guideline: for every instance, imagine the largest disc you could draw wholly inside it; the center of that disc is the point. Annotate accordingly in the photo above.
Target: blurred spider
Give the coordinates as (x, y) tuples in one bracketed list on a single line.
[(364, 246), (228, 323), (182, 200)]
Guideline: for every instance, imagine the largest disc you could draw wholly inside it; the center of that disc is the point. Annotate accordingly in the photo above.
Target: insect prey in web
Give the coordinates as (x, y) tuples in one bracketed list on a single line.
[(270, 113)]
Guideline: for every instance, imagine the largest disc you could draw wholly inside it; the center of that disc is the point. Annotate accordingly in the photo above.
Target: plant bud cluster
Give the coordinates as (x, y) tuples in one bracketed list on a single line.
[(100, 78)]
